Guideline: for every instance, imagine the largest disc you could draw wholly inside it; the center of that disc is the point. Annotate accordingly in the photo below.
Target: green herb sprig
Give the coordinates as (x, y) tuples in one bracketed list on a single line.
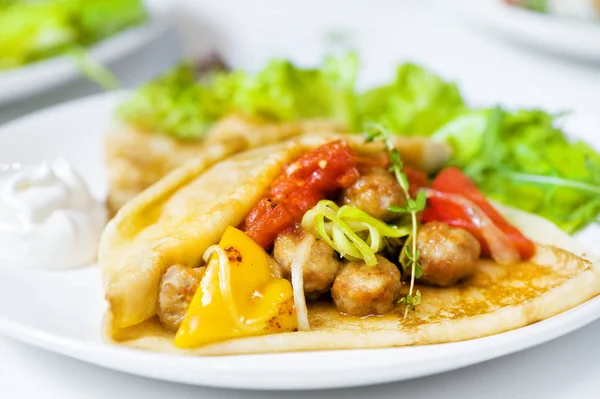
[(409, 256)]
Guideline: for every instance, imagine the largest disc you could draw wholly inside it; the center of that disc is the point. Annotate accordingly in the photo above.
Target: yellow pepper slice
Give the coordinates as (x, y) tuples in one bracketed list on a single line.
[(239, 299)]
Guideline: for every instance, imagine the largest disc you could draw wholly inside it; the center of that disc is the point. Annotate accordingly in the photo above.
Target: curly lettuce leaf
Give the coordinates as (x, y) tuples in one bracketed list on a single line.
[(282, 91), (30, 31), (522, 159), (101, 19), (173, 104), (416, 103), (34, 30), (184, 106), (465, 134)]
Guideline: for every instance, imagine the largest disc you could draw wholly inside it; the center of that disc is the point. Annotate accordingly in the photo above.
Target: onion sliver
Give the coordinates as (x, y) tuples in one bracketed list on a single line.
[(300, 258), (225, 284)]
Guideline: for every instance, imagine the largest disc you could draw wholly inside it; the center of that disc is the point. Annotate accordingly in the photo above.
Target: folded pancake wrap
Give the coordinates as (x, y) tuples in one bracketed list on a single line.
[(137, 159), (178, 218)]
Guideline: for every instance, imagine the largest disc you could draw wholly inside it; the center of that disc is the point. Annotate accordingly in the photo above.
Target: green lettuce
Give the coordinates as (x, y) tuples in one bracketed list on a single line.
[(30, 31), (282, 91), (534, 5), (100, 19), (175, 104), (184, 106), (523, 159), (34, 30), (416, 103), (520, 158)]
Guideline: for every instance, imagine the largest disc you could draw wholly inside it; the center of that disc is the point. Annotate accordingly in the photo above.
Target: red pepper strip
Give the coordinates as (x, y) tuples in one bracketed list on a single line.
[(501, 248), (453, 181), (311, 178), (448, 214)]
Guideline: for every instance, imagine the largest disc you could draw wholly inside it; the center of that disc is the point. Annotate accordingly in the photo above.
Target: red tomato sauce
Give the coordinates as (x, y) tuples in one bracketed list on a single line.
[(314, 176)]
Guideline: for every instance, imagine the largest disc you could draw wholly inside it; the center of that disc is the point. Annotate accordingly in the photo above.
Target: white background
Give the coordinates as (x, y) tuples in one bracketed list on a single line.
[(488, 70)]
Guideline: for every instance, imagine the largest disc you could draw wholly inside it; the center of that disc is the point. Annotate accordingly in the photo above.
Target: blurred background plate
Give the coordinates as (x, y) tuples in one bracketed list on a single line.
[(42, 76), (558, 35)]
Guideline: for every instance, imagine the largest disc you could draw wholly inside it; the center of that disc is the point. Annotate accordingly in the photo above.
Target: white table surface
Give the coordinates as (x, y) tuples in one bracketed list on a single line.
[(385, 32)]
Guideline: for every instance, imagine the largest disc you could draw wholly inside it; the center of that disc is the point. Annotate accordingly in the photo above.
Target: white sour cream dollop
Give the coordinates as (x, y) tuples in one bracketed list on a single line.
[(48, 218)]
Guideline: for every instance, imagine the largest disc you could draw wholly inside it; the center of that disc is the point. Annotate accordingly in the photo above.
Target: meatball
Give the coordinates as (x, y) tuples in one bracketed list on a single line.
[(447, 254), (321, 267), (361, 290), (374, 192), (175, 292), (275, 267)]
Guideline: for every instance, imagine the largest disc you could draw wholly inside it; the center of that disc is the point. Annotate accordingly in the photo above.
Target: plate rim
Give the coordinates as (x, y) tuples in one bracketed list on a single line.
[(471, 352), (121, 359)]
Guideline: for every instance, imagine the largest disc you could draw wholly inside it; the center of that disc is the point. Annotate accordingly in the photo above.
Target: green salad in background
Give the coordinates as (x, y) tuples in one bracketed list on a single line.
[(518, 157), (580, 9), (184, 106), (33, 30)]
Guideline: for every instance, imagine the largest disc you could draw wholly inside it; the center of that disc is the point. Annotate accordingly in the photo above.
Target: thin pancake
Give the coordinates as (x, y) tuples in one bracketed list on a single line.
[(159, 229), (138, 159), (154, 232), (495, 300)]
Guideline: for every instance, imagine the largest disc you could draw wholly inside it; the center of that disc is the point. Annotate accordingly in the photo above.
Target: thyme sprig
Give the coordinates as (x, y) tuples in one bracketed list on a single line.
[(409, 256)]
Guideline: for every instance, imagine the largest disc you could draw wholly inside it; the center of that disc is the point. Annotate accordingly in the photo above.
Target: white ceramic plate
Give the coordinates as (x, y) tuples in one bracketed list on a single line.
[(20, 83), (562, 36), (61, 311)]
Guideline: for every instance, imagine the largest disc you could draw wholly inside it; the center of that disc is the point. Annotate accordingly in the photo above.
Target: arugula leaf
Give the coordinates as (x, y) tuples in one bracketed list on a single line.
[(416, 103), (522, 159), (184, 106)]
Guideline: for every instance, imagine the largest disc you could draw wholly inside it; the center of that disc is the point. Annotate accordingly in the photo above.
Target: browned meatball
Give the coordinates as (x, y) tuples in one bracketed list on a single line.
[(374, 192), (447, 253), (176, 290), (361, 290), (321, 267), (275, 267)]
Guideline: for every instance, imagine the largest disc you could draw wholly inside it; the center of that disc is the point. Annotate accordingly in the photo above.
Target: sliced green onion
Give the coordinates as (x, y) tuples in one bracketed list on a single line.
[(339, 228), (350, 213)]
